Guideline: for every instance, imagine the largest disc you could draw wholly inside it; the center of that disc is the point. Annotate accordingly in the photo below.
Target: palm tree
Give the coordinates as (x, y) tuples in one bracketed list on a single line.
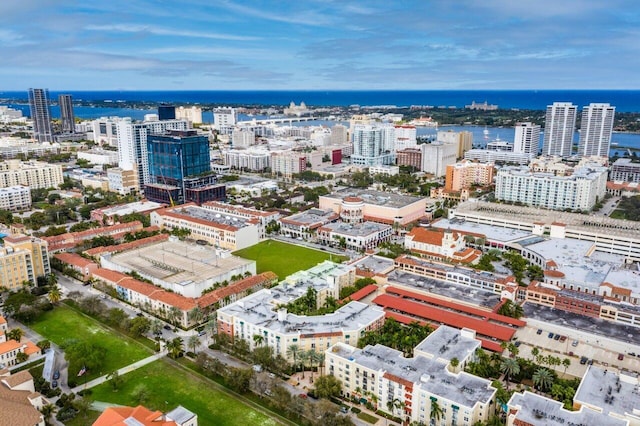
[(313, 357), (156, 328), (435, 412), (193, 342), (174, 314), (175, 347), (535, 352), (258, 339), (47, 410), (54, 294), (304, 357), (293, 351), (196, 315), (565, 363), (510, 368), (52, 279), (15, 334), (542, 378)]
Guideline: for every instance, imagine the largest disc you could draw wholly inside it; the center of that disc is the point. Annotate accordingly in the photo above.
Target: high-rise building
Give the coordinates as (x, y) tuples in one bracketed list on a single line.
[(339, 135), (595, 130), (41, 115), (405, 137), (34, 174), (224, 117), (463, 140), (23, 258), (166, 112), (373, 145), (437, 156), (560, 124), (243, 138), (132, 143), (192, 114), (467, 173), (67, 117), (527, 138)]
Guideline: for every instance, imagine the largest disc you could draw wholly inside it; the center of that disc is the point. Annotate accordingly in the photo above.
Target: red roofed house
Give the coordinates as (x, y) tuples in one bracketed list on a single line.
[(71, 239), (82, 266), (126, 416), (440, 244)]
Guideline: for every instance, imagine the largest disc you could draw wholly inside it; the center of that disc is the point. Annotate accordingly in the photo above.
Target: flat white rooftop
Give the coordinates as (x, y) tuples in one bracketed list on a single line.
[(495, 233)]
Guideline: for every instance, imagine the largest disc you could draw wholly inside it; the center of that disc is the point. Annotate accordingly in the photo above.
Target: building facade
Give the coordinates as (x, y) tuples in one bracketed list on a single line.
[(67, 117), (437, 156), (466, 173), (192, 114), (359, 236), (373, 145), (23, 259), (15, 198), (41, 115), (625, 170), (410, 157), (288, 163), (527, 138), (560, 124), (34, 174), (463, 140), (596, 128)]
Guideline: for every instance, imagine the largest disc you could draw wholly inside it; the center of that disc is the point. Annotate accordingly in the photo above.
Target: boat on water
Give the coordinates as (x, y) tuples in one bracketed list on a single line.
[(486, 133)]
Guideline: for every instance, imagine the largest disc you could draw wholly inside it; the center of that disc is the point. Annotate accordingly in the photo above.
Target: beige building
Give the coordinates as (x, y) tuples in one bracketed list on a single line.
[(123, 182), (19, 401), (191, 114), (288, 163), (34, 174), (224, 230), (262, 314), (466, 173), (22, 259), (420, 383), (463, 140)]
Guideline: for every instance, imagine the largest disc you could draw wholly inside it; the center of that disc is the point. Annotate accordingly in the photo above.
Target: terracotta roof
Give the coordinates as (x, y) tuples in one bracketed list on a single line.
[(553, 274), (173, 299), (74, 260), (362, 293), (559, 224), (2, 320), (119, 416), (109, 275), (9, 346), (427, 236), (352, 199), (127, 246), (16, 238), (235, 288), (31, 348)]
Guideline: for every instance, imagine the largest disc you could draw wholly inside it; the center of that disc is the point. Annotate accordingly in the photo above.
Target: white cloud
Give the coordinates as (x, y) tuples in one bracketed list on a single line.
[(137, 28)]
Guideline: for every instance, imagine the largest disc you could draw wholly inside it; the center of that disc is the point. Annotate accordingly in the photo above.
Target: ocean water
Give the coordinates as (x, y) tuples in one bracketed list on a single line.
[(623, 100)]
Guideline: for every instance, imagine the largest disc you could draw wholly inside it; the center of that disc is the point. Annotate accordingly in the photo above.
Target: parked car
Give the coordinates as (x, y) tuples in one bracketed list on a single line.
[(518, 343), (343, 409), (620, 357), (575, 343), (539, 331), (550, 335), (167, 327), (563, 338), (556, 337), (56, 375), (54, 384), (583, 360), (303, 395)]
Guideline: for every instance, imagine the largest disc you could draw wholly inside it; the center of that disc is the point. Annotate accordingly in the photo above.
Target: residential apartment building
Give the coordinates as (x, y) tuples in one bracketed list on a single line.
[(132, 144), (560, 124), (339, 135), (357, 236), (384, 170), (466, 173), (224, 118), (243, 138), (99, 157), (625, 170), (67, 117), (527, 138), (288, 163), (410, 388), (405, 137), (256, 160), (34, 174), (124, 182), (437, 156), (70, 240), (497, 157), (15, 198), (410, 157), (41, 115), (360, 205), (373, 145), (192, 114), (596, 128), (262, 314), (105, 130), (227, 231), (23, 259), (579, 191), (463, 140)]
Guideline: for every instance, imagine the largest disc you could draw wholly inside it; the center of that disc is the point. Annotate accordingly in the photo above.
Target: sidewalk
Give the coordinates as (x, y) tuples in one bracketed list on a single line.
[(123, 370)]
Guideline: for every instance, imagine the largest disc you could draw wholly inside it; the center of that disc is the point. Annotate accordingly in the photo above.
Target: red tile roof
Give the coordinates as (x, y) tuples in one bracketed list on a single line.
[(431, 236), (362, 293), (117, 416), (74, 260), (174, 212), (236, 288), (127, 246)]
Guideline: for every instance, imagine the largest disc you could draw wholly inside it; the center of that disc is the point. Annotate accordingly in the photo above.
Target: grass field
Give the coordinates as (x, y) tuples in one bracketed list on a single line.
[(368, 418), (169, 386), (63, 323), (284, 259)]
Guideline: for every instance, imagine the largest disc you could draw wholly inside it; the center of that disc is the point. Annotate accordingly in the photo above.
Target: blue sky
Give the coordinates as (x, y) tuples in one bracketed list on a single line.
[(324, 44)]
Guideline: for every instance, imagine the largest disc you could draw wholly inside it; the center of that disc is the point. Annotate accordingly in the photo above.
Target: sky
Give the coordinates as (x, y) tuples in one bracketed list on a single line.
[(319, 44)]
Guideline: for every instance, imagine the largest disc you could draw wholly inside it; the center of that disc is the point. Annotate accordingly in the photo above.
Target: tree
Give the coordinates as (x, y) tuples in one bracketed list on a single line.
[(21, 356), (193, 342), (52, 279), (239, 379), (15, 334), (156, 328), (175, 347), (263, 355), (139, 326), (140, 394), (327, 387), (115, 380), (258, 339), (54, 294), (82, 405), (47, 411), (293, 351), (435, 412), (174, 315), (83, 353), (565, 363), (455, 362), (196, 315), (542, 379), (510, 368)]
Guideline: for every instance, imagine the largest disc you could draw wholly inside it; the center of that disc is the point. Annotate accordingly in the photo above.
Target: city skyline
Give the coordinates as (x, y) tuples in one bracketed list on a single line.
[(148, 45)]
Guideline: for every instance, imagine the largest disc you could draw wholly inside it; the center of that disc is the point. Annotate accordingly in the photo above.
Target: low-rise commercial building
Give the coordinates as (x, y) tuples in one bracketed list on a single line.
[(625, 170), (357, 236), (413, 387), (226, 231), (261, 218), (438, 244), (110, 215), (70, 240), (34, 174), (99, 156), (124, 182), (304, 224)]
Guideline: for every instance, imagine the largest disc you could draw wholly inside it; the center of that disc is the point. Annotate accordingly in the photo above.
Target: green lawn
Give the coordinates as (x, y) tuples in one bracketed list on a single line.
[(63, 323), (169, 386), (368, 418), (284, 259), (80, 420)]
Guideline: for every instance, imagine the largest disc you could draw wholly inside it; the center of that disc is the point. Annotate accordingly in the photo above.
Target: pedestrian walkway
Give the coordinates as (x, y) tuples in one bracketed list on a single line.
[(123, 370), (101, 406)]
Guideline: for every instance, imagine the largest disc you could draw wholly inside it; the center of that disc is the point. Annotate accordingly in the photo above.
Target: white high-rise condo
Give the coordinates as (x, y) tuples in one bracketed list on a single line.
[(560, 123), (527, 138), (596, 129), (373, 145)]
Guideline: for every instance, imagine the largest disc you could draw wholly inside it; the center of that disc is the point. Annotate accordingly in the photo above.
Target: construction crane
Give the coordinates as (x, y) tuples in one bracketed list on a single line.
[(168, 190)]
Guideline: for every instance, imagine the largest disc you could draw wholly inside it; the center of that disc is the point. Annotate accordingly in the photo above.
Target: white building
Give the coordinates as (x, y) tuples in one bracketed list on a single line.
[(497, 156), (560, 123), (405, 137), (15, 198), (99, 156), (595, 130), (123, 182), (527, 138), (191, 114), (437, 156), (625, 170), (251, 159), (243, 138), (579, 191), (10, 115), (373, 145), (339, 135), (356, 236), (261, 218), (261, 313), (105, 130), (132, 144), (224, 117), (463, 140), (34, 174), (412, 386), (384, 170)]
